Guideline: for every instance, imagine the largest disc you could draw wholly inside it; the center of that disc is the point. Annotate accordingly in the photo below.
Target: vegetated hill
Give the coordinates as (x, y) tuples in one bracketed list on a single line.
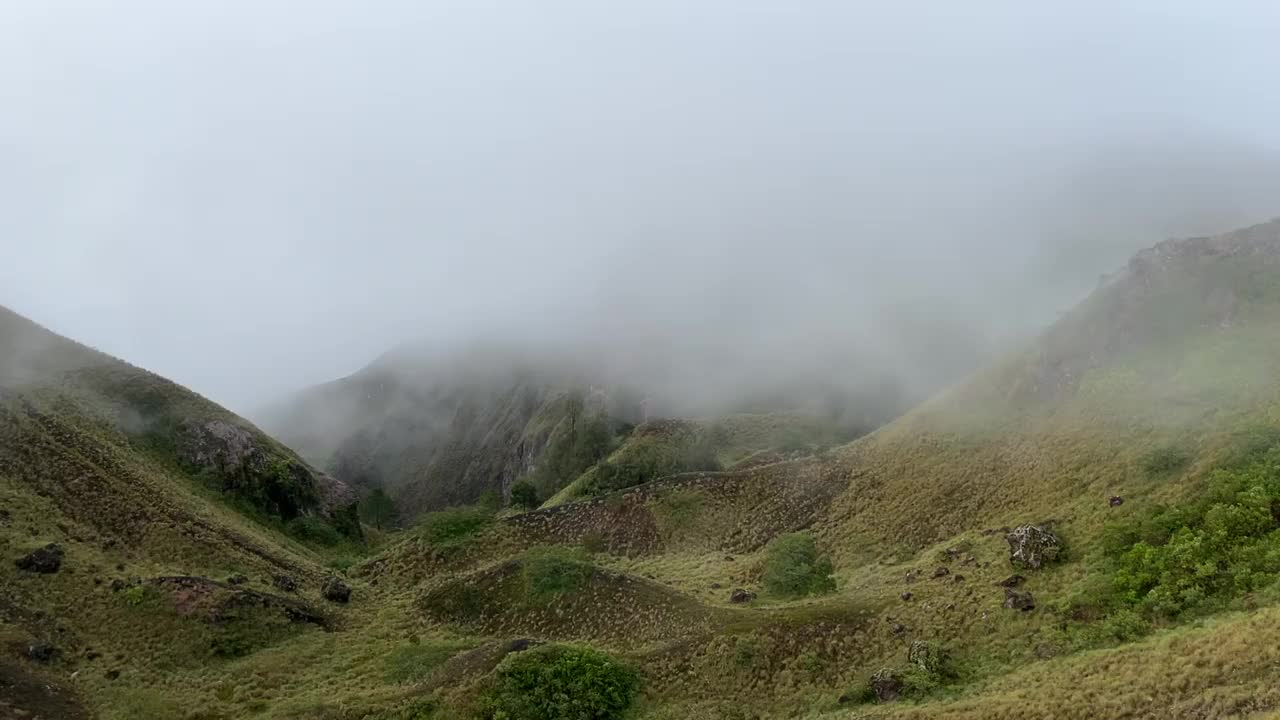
[(432, 435), (143, 528), (1088, 529), (440, 432)]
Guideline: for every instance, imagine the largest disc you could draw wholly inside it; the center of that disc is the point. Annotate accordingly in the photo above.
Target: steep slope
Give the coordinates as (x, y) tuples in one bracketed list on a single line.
[(435, 435), (143, 528)]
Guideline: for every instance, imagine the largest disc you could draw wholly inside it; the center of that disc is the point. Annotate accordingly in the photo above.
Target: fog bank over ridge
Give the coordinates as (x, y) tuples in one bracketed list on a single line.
[(712, 199)]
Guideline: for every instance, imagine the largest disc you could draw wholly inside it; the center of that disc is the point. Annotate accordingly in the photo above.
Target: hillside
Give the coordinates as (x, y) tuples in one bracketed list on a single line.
[(1089, 528), (142, 526), (434, 432)]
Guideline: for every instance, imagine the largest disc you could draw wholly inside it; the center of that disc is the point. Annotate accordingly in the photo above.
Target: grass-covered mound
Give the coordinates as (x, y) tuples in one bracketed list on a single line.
[(558, 594)]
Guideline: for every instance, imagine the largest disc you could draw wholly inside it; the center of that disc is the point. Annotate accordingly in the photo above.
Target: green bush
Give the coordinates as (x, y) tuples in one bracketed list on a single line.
[(377, 509), (525, 495), (1166, 460), (793, 567), (1176, 560), (553, 571), (559, 683), (453, 526)]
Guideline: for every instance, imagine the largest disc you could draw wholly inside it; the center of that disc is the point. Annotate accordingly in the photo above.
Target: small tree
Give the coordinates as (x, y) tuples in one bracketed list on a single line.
[(525, 495), (793, 567), (377, 509)]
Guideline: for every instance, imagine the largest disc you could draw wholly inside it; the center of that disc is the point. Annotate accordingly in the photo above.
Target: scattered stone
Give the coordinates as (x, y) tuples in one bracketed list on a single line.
[(1018, 600), (1031, 546), (729, 558), (716, 586), (941, 572), (886, 685), (285, 583), (958, 578), (907, 596), (1115, 501), (739, 596), (912, 575), (1012, 581), (336, 591), (46, 561), (111, 674), (41, 652), (237, 580), (897, 627)]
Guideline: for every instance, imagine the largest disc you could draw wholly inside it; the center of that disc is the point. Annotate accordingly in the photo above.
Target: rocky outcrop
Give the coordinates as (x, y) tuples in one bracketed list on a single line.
[(1032, 546), (1018, 600), (46, 560), (887, 685), (336, 591), (740, 596), (241, 461)]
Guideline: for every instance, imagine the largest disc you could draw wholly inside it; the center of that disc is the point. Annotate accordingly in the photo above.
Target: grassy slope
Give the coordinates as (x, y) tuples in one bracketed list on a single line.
[(1179, 351)]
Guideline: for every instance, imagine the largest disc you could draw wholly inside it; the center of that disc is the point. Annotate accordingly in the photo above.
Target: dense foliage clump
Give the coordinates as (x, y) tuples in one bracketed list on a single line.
[(559, 683), (377, 509), (524, 495), (455, 525), (1189, 557), (794, 568)]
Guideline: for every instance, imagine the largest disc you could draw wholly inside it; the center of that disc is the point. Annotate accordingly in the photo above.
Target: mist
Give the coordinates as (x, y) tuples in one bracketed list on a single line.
[(252, 197)]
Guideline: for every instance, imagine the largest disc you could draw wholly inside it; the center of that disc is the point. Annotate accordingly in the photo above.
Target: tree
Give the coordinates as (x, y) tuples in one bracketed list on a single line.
[(525, 495)]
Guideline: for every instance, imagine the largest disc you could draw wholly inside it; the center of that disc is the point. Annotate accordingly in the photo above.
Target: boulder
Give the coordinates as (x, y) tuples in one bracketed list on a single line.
[(284, 582), (739, 596), (46, 560), (1032, 546), (1012, 581), (1115, 501), (941, 572), (907, 596), (1019, 600), (336, 591), (886, 685), (41, 652)]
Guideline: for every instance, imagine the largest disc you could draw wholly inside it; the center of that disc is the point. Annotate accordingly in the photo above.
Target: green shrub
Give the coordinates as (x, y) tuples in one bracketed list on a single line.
[(525, 495), (377, 509), (1162, 461), (1176, 560), (313, 529), (793, 567), (552, 572), (453, 526), (559, 683)]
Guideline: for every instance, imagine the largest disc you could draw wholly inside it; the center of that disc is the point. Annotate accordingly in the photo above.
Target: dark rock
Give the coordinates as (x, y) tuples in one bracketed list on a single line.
[(111, 674), (284, 582), (46, 560), (1031, 546), (739, 596), (336, 591), (941, 572), (911, 575), (237, 580), (897, 627), (41, 652), (716, 586), (1115, 501), (518, 645), (1044, 651), (907, 596), (886, 685), (1012, 581), (1018, 600), (729, 558), (958, 578)]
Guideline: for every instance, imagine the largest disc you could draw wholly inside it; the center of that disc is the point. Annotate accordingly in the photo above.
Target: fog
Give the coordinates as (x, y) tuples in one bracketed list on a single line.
[(251, 197)]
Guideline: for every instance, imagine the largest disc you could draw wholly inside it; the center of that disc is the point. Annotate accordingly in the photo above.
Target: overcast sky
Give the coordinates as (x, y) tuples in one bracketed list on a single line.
[(249, 197)]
